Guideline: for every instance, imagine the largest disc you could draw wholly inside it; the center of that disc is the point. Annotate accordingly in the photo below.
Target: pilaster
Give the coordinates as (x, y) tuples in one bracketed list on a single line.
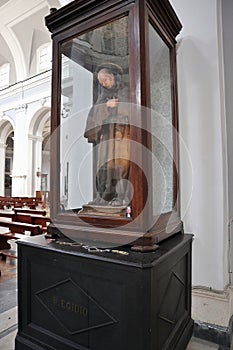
[(34, 163), (2, 167), (19, 173)]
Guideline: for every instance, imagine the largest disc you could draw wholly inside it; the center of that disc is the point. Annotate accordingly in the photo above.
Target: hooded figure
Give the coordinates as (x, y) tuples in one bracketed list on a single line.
[(108, 129)]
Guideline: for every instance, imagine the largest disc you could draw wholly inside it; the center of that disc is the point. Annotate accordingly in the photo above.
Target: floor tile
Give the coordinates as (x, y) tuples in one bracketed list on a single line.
[(8, 341), (8, 319), (199, 344)]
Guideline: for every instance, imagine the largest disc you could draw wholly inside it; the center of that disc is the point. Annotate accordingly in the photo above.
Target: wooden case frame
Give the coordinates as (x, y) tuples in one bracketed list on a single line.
[(78, 17)]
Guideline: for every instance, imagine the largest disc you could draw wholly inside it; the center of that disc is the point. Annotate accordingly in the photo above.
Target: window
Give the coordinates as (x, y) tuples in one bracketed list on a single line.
[(44, 57), (4, 75)]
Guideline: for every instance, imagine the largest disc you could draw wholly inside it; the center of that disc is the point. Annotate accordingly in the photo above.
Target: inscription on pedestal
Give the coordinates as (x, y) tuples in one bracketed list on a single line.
[(70, 306), (74, 308)]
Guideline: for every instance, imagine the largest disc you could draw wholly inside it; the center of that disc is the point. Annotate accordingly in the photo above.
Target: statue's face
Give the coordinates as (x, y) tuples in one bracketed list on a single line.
[(106, 80)]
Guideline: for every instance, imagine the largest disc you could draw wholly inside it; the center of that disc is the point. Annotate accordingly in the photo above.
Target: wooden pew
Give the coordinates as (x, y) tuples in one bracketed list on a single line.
[(4, 237), (8, 253), (7, 214), (31, 202), (30, 211), (16, 231), (5, 247), (22, 220), (21, 227), (32, 219), (16, 211)]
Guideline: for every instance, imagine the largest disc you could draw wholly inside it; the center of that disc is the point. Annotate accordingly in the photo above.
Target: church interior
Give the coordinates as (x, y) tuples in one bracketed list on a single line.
[(204, 105)]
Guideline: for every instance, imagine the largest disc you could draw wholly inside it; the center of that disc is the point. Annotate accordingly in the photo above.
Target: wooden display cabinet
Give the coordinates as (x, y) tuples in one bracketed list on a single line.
[(114, 181), (114, 143)]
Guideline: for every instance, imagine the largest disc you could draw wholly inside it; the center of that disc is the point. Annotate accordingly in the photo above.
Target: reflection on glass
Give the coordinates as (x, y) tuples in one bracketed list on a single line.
[(94, 135), (161, 124)]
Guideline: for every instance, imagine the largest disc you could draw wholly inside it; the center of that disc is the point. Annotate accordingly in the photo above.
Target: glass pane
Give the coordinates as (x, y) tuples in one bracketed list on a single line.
[(94, 120), (161, 124)]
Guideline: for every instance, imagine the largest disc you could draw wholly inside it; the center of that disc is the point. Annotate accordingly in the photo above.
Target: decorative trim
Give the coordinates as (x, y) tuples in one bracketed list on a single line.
[(51, 298), (216, 334), (43, 101), (71, 14), (35, 138), (21, 107)]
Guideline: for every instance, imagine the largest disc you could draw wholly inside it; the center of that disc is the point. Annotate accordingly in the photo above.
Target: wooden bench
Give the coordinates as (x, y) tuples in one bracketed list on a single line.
[(22, 220), (32, 219), (21, 223), (5, 247), (18, 202), (15, 213), (8, 253), (17, 230), (5, 237), (20, 227), (30, 211), (7, 214)]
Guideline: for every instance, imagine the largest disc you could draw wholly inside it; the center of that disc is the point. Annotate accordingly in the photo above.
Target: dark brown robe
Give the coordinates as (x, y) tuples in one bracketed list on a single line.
[(109, 131)]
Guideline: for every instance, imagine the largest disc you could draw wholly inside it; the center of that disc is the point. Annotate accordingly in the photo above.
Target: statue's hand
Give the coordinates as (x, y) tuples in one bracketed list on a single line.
[(112, 103)]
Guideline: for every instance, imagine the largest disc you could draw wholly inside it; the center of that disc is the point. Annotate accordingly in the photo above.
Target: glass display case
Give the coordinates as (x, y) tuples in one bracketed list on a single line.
[(114, 119)]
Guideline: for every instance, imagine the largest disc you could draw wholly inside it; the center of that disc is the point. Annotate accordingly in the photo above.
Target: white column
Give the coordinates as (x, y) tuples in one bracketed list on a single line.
[(35, 163), (31, 166), (2, 168), (19, 172)]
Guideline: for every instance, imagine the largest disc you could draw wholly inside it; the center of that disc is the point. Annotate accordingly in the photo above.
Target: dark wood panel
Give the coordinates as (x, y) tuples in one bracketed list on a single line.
[(133, 301)]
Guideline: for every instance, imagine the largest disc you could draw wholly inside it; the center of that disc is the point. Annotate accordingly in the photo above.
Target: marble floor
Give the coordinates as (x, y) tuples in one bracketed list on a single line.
[(8, 310)]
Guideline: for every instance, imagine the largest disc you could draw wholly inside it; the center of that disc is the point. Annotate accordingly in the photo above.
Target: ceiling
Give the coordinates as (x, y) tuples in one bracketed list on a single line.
[(3, 2)]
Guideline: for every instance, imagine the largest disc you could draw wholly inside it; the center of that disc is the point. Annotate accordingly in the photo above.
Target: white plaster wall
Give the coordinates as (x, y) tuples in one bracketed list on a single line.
[(75, 149), (25, 113), (202, 127), (227, 15)]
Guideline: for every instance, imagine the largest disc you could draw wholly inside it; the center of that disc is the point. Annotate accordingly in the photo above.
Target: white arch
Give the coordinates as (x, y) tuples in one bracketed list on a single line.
[(38, 121), (16, 51), (6, 126)]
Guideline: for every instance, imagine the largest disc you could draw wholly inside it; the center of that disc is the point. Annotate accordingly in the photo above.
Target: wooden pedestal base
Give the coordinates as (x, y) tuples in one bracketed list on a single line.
[(103, 210), (73, 299)]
